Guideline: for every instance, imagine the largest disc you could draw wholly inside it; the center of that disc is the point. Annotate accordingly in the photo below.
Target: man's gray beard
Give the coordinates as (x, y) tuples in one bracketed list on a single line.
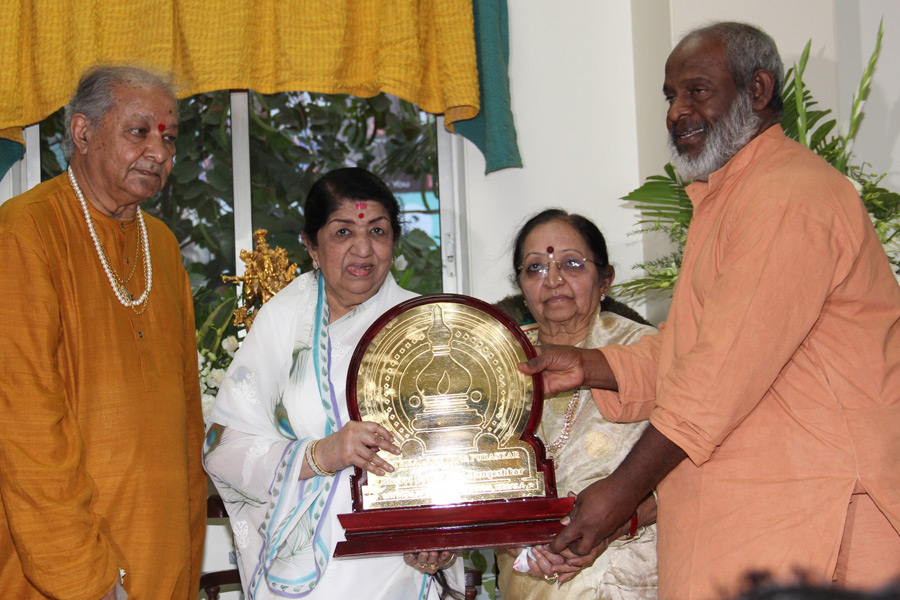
[(723, 140)]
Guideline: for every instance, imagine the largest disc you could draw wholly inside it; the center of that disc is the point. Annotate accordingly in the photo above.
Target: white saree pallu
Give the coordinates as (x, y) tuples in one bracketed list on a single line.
[(284, 389)]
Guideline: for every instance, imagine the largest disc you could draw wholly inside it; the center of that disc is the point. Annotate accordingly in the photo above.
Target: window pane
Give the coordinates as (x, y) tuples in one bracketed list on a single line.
[(296, 136), (197, 202), (53, 160)]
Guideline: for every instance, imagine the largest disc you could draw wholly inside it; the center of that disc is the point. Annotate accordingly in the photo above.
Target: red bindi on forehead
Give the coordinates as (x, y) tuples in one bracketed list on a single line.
[(162, 127)]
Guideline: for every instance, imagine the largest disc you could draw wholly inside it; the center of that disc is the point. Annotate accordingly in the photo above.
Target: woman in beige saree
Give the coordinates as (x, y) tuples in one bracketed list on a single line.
[(563, 271)]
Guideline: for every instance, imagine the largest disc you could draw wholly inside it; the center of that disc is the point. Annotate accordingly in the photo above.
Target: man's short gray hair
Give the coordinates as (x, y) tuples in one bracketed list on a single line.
[(748, 49), (94, 95)]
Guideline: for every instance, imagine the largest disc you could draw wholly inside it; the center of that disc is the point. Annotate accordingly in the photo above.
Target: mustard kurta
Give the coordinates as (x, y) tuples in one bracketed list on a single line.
[(778, 372), (101, 428)]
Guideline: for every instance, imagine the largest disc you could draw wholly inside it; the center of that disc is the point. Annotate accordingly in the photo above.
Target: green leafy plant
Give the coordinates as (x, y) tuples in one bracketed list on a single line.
[(665, 207)]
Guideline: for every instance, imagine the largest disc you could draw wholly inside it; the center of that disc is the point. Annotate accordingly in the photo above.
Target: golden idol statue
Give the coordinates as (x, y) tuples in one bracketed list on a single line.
[(267, 271)]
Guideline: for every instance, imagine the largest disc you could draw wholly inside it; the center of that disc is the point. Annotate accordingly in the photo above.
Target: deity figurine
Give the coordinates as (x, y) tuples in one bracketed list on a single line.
[(266, 273)]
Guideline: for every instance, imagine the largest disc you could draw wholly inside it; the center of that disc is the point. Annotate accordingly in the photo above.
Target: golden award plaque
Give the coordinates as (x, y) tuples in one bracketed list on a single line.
[(440, 373)]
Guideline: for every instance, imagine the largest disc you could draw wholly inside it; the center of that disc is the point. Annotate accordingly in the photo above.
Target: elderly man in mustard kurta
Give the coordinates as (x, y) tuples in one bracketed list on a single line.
[(100, 477)]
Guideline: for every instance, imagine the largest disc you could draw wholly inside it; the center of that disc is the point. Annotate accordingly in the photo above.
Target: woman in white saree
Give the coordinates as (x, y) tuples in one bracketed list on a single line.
[(562, 268), (281, 444)]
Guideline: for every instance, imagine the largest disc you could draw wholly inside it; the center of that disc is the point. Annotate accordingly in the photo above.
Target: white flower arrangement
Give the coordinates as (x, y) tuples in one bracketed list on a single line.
[(212, 367), (218, 338)]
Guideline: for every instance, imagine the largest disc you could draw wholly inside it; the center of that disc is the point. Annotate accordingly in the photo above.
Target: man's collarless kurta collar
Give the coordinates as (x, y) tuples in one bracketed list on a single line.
[(700, 191)]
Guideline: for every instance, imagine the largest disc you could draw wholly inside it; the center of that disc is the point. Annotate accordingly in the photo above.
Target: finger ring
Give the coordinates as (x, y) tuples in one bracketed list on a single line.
[(551, 578)]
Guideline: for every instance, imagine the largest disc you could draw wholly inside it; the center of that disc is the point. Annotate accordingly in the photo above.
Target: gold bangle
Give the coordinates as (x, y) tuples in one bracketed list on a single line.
[(313, 463)]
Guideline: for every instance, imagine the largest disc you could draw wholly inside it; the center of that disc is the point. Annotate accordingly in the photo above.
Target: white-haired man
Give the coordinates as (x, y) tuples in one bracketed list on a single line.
[(100, 473)]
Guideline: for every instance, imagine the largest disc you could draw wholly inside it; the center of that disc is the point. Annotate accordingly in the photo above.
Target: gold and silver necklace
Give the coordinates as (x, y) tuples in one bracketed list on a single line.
[(118, 284)]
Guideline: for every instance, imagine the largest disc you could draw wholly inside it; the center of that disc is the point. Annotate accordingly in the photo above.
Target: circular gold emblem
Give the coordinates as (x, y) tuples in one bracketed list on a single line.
[(441, 376)]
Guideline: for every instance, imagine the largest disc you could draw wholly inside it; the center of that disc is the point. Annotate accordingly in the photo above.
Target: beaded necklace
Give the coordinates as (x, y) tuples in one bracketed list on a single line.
[(118, 285), (555, 446)]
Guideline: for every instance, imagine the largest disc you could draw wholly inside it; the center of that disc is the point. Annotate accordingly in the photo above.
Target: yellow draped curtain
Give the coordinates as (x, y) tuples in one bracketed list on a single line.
[(420, 50)]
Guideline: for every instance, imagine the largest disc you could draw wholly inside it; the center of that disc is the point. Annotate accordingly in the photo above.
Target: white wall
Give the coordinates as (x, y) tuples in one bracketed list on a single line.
[(790, 22), (585, 81), (573, 96), (878, 141)]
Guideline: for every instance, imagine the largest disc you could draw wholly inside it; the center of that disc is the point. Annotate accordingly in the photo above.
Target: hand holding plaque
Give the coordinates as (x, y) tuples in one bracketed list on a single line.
[(439, 373)]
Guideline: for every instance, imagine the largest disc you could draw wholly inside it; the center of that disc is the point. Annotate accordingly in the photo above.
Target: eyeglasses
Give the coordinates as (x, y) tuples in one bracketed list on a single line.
[(572, 267)]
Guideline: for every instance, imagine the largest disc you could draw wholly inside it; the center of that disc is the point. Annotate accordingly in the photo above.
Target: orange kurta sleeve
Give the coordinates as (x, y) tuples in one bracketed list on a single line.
[(47, 494), (636, 379)]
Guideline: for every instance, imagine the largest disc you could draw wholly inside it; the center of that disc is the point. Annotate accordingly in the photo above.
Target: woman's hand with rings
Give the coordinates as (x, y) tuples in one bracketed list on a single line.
[(550, 566), (357, 444), (429, 562), (580, 562)]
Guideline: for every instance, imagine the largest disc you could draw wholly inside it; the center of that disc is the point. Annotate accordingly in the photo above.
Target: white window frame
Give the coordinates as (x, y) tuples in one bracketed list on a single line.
[(451, 167), (454, 235), (25, 173)]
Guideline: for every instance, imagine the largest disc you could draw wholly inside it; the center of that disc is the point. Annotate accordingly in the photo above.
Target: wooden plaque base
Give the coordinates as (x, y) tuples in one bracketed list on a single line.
[(490, 524)]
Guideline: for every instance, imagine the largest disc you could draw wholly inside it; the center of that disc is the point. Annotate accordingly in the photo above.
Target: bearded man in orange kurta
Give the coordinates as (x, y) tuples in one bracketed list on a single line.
[(101, 429), (777, 373)]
